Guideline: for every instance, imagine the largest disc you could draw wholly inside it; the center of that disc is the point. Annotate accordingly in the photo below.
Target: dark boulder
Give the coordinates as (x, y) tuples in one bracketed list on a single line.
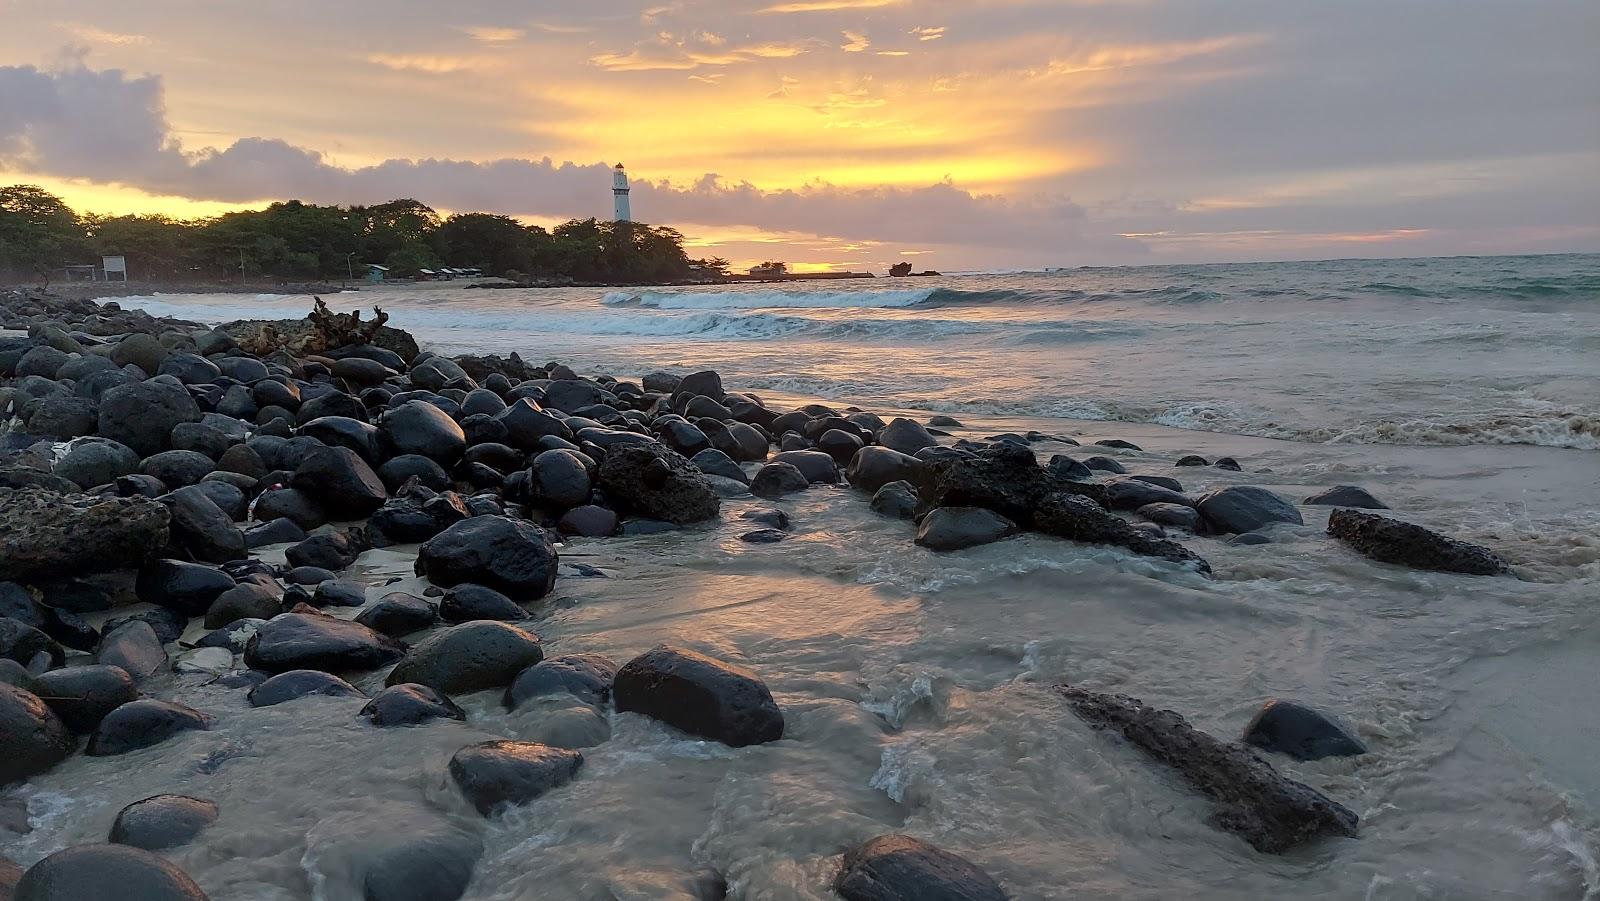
[(418, 855), (896, 500), (1392, 541), (1079, 518), (202, 528), (764, 536), (134, 648), (588, 521), (699, 695), (560, 480), (32, 738), (656, 482), (23, 643), (142, 415), (44, 535), (83, 695), (1184, 517), (1292, 728), (398, 614), (842, 446), (775, 480), (246, 600), (418, 427), (409, 704), (176, 468), (299, 507), (299, 683), (1068, 468), (1345, 496), (467, 602), (526, 424), (770, 517), (1271, 812), (331, 551), (682, 436), (418, 515), (88, 462), (94, 872), (1118, 443), (906, 436), (955, 528), (162, 822), (713, 462), (141, 724), (1132, 493), (1104, 464), (496, 774), (398, 470), (818, 467), (188, 589), (1004, 478), (507, 555), (1245, 508), (587, 677), (469, 657), (902, 868), (169, 624), (311, 641), (874, 467), (1192, 460), (342, 483)]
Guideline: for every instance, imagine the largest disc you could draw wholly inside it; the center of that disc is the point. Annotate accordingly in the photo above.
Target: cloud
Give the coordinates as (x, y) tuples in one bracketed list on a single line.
[(928, 34), (812, 6), (854, 42), (89, 34), (669, 52), (430, 64), (103, 125), (488, 34)]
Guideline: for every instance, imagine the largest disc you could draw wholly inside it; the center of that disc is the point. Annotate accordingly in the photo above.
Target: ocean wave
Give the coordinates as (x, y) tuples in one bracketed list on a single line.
[(761, 300)]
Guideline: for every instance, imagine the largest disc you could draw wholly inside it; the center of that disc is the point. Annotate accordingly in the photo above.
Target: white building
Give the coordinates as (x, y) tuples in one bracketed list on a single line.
[(619, 192)]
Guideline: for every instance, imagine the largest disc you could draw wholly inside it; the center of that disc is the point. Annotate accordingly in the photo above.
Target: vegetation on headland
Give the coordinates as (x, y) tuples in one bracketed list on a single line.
[(40, 235)]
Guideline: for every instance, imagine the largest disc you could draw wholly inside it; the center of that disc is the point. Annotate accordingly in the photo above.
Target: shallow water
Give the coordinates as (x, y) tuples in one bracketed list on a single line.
[(917, 692)]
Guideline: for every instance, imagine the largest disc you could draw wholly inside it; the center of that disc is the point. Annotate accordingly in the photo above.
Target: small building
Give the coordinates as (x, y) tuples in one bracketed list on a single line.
[(376, 273)]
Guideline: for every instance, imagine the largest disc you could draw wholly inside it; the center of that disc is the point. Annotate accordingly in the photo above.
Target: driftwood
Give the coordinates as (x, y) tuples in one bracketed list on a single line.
[(321, 331)]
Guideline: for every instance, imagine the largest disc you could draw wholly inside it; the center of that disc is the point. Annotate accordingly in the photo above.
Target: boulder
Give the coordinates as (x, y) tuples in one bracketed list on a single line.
[(587, 677), (418, 855), (1004, 478), (202, 528), (23, 643), (331, 551), (469, 657), (699, 695), (296, 506), (874, 467), (142, 415), (1342, 496), (88, 462), (409, 704), (200, 438), (176, 468), (398, 470), (840, 445), (1079, 518), (141, 724), (504, 554), (896, 500), (467, 602), (716, 463), (342, 483), (108, 871), (134, 648), (496, 774), (1392, 541), (45, 535), (299, 683), (188, 589), (294, 641), (418, 427), (64, 417), (162, 822), (652, 481), (1245, 508), (246, 600), (1271, 812), (775, 480), (906, 436), (32, 738), (1180, 515), (526, 424), (955, 528), (140, 350), (419, 515), (764, 536), (1104, 464), (902, 868), (398, 614), (560, 480), (1132, 493), (1292, 728), (818, 467), (588, 521), (83, 695)]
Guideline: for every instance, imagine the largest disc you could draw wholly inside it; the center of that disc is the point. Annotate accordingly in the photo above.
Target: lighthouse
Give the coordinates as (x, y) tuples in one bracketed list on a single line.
[(619, 191)]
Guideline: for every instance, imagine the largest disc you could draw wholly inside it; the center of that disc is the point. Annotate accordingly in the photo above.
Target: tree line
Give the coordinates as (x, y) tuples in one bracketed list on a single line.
[(40, 235)]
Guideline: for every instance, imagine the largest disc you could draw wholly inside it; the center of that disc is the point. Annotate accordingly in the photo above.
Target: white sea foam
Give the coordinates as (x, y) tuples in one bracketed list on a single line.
[(761, 300)]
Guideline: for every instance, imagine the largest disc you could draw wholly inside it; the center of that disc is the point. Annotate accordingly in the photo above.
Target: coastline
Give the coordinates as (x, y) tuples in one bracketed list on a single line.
[(906, 676)]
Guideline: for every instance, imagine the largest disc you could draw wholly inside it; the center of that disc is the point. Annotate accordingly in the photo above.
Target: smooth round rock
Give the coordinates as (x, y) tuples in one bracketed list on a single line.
[(507, 555), (699, 695), (587, 677), (161, 822), (956, 528), (409, 704), (141, 724), (83, 695), (1292, 728), (298, 684), (469, 657), (32, 738), (496, 774), (902, 868), (467, 602), (396, 614), (106, 873)]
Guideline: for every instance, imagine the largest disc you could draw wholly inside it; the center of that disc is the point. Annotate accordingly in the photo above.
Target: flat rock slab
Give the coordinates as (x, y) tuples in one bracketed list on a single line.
[(1270, 811), (1392, 541)]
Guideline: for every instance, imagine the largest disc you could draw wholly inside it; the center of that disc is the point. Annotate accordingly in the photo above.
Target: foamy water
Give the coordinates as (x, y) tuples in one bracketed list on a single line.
[(917, 686)]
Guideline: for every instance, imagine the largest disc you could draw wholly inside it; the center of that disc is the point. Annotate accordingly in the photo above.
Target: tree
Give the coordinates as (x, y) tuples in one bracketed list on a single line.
[(495, 244), (156, 247), (37, 230), (410, 259)]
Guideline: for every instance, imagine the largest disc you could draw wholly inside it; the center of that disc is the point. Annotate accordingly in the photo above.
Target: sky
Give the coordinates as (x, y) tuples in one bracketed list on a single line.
[(845, 134)]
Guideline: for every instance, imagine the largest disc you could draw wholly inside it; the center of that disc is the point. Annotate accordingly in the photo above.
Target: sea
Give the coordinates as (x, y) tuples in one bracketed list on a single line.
[(918, 688)]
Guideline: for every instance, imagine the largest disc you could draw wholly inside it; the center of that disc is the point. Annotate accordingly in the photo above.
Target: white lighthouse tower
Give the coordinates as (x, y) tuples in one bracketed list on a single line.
[(619, 191)]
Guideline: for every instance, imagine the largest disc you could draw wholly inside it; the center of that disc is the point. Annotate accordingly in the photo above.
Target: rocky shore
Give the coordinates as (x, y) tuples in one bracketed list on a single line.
[(157, 462)]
